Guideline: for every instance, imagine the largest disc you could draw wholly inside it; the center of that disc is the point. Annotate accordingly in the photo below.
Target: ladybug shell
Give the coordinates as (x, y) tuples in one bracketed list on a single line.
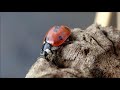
[(57, 35)]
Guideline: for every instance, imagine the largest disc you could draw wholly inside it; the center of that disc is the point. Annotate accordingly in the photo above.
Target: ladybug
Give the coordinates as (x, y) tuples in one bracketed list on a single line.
[(54, 38)]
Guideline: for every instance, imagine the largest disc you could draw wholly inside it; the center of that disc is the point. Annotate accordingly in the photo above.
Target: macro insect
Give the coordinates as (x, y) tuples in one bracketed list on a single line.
[(54, 38)]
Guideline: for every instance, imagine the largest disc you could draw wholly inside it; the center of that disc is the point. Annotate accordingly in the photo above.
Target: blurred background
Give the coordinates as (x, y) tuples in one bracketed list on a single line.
[(21, 35)]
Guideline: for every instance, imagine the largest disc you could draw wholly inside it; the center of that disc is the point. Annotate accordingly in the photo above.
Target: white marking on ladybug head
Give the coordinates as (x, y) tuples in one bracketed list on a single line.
[(48, 51), (44, 42)]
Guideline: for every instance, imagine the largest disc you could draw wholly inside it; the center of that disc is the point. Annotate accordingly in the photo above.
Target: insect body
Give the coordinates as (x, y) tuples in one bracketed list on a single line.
[(55, 37)]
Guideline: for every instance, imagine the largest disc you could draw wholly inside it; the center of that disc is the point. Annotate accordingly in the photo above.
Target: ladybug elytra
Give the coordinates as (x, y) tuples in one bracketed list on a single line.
[(55, 37)]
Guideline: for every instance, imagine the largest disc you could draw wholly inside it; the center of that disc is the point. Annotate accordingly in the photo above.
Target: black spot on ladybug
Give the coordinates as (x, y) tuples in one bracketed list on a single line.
[(56, 28), (60, 38)]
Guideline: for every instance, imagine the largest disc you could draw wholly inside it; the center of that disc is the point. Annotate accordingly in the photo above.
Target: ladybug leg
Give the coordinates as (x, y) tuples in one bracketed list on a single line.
[(67, 40), (42, 53)]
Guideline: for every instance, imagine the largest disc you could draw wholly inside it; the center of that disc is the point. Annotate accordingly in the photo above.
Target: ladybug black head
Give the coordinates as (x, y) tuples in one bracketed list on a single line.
[(46, 49)]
